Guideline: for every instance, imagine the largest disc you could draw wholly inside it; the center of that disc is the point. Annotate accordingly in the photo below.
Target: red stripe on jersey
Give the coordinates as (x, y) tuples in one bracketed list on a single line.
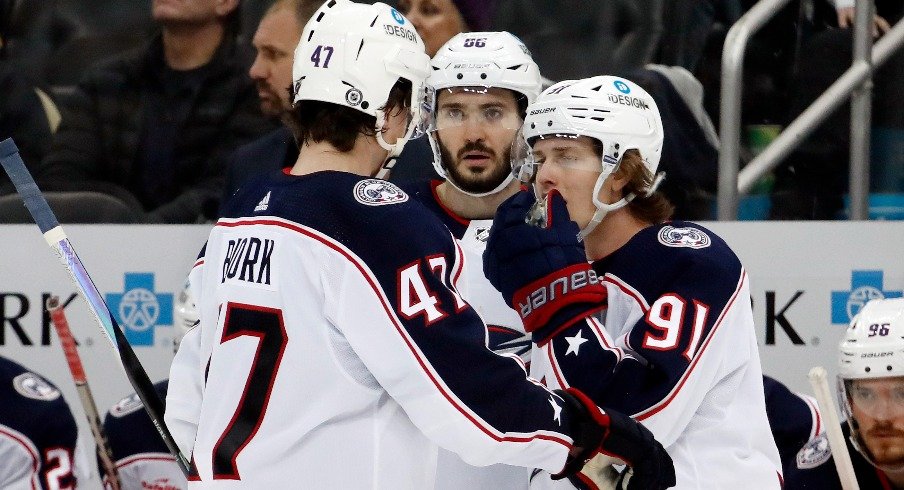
[(657, 408), (433, 185), (365, 271), (817, 418), (198, 263), (137, 458), (29, 447), (554, 364), (613, 279)]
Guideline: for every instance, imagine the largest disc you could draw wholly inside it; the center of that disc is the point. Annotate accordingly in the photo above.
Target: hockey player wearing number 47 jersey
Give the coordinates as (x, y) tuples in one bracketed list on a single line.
[(333, 349), (673, 295)]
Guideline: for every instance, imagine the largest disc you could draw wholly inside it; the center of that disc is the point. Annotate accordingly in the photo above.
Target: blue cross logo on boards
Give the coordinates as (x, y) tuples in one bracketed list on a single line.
[(138, 309), (865, 285)]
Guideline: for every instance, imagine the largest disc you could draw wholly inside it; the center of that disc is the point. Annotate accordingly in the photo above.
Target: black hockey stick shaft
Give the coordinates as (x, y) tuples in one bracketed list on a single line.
[(67, 341), (55, 236)]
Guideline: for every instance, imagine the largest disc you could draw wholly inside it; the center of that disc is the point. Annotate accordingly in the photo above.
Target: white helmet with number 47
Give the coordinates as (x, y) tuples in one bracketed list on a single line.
[(353, 54)]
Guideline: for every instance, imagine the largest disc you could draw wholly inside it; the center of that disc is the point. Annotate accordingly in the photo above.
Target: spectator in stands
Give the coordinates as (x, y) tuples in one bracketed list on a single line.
[(275, 40), (811, 183), (152, 121), (437, 21), (571, 42), (22, 109)]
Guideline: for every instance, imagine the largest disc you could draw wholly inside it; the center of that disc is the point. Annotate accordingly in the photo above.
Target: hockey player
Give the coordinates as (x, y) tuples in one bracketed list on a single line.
[(871, 385), (141, 457), (38, 434), (481, 83), (674, 295), (333, 350)]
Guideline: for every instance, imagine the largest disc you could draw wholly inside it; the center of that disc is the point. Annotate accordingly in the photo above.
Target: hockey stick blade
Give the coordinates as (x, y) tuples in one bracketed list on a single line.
[(55, 236), (67, 341)]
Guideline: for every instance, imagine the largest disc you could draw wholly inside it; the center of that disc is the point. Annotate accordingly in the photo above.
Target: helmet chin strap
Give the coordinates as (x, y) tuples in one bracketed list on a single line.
[(394, 149), (602, 209)]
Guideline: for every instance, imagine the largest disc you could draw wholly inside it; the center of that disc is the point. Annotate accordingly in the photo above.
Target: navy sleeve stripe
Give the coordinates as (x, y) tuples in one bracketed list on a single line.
[(664, 403), (390, 313)]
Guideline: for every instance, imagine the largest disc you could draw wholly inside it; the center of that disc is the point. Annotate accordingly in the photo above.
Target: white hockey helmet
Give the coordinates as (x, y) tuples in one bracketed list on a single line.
[(615, 111), (480, 61), (872, 348), (352, 55), (185, 316)]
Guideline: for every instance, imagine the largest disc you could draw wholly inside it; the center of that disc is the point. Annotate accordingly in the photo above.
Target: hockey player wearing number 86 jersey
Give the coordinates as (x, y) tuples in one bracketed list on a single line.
[(333, 350), (672, 294)]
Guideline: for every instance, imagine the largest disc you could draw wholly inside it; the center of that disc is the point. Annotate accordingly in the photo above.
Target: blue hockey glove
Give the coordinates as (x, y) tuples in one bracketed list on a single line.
[(541, 271)]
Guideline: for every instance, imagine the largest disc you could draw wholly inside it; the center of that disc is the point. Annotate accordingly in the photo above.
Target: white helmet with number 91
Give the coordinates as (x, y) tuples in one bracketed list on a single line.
[(353, 54), (872, 352), (477, 62), (614, 111)]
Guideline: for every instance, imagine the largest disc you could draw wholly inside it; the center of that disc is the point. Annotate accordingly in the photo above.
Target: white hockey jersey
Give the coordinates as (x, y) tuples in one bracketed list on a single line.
[(334, 352), (679, 307)]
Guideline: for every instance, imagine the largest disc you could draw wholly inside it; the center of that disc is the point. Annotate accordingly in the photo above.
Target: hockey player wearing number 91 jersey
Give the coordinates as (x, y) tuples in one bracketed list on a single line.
[(333, 349), (672, 294)]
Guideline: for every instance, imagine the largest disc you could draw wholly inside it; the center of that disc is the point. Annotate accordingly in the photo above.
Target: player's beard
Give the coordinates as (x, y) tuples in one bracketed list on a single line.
[(886, 452), (467, 181)]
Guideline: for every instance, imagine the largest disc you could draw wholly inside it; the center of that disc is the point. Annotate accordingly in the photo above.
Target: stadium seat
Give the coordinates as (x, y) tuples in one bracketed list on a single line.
[(72, 207), (881, 207)]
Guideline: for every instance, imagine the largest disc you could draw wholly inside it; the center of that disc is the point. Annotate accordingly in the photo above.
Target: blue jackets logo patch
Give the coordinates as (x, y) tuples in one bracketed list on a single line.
[(814, 453), (30, 385), (375, 192), (683, 237), (126, 406)]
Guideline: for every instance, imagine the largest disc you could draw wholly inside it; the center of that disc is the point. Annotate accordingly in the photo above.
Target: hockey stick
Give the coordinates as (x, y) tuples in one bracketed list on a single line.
[(55, 236), (61, 324), (829, 412)]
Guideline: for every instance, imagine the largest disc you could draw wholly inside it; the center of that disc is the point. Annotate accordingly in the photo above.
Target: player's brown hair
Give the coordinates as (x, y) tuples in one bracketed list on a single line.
[(654, 208), (314, 121)]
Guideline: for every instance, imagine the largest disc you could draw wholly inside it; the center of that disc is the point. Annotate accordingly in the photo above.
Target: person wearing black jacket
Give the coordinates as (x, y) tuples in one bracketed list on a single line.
[(153, 121)]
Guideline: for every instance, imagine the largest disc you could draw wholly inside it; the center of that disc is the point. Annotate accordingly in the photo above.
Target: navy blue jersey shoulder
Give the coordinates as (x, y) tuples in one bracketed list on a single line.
[(372, 217), (675, 254), (129, 428), (814, 467), (425, 192), (34, 407), (790, 418)]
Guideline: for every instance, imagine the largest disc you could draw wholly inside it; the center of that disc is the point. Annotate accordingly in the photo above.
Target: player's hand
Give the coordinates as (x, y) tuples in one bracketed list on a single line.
[(542, 272), (621, 437)]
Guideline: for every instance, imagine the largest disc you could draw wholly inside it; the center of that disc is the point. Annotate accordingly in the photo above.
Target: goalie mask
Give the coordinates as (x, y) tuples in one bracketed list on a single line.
[(477, 64), (352, 55), (871, 382), (614, 111)]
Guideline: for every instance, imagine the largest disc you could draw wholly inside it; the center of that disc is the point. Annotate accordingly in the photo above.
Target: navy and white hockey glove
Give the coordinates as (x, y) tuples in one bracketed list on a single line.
[(541, 270), (617, 435)]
